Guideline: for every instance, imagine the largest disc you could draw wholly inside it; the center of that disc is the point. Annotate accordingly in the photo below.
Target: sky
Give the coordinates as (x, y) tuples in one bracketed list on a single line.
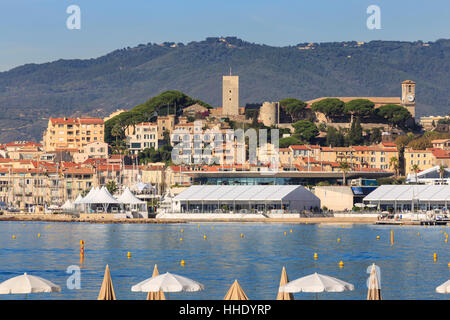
[(35, 31)]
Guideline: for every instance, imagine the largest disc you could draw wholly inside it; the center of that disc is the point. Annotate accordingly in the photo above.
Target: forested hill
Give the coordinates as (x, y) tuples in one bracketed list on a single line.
[(124, 78)]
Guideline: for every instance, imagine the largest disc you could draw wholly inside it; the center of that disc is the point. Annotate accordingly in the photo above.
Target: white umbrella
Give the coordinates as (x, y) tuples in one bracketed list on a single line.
[(444, 288), (316, 283), (360, 205), (27, 284), (167, 282)]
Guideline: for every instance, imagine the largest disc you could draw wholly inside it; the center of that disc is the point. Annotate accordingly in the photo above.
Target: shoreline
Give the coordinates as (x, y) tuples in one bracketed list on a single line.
[(299, 220)]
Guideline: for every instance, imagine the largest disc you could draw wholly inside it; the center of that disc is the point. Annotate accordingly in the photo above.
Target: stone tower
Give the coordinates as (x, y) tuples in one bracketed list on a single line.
[(409, 96), (230, 95), (269, 113)]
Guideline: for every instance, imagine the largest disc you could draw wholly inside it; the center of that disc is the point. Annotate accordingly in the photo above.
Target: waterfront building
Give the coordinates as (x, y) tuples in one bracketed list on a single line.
[(430, 176), (72, 133), (410, 197), (23, 150), (245, 199), (341, 198)]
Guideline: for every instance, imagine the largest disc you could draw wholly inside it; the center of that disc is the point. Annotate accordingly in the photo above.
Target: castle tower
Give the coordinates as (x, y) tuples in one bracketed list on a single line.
[(230, 95), (409, 96), (269, 113)]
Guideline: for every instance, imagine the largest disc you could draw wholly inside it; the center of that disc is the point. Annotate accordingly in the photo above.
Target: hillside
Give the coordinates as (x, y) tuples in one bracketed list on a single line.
[(125, 78)]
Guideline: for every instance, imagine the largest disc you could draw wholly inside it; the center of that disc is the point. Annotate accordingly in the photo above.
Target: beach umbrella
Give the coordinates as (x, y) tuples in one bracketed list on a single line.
[(444, 288), (316, 283), (235, 292), (284, 295), (155, 295), (28, 284), (374, 292), (167, 282), (107, 289)]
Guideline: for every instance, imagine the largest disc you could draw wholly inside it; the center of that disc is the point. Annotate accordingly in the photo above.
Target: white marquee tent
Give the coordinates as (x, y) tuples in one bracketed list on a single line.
[(410, 197), (209, 198)]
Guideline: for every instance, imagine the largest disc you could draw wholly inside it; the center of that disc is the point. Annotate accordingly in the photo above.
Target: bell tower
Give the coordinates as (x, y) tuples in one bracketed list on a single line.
[(409, 96)]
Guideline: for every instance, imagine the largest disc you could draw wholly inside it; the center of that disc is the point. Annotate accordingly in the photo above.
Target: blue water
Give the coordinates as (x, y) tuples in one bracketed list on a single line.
[(407, 267)]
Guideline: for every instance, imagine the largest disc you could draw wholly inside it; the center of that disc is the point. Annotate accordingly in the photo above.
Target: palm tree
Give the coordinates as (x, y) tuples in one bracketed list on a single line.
[(344, 166), (442, 172), (393, 162), (112, 186), (415, 168)]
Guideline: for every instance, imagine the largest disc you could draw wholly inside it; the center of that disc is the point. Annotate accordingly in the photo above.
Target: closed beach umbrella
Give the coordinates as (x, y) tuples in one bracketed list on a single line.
[(283, 281), (316, 283), (235, 292), (155, 295), (374, 292), (107, 289), (28, 284), (444, 288), (167, 282)]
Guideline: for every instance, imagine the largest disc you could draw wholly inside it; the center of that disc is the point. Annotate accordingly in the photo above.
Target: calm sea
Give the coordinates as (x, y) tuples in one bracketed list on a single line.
[(407, 267)]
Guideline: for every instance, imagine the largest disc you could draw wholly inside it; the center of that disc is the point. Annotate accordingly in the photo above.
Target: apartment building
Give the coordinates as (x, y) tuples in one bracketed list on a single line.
[(422, 158), (145, 135), (72, 133), (165, 123), (93, 150)]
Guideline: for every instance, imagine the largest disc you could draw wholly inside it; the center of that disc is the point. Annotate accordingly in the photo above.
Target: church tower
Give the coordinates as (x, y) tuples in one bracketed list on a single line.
[(230, 95), (409, 96)]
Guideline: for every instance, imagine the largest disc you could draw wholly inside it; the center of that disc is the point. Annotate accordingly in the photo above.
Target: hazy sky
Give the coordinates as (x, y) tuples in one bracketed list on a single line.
[(35, 30)]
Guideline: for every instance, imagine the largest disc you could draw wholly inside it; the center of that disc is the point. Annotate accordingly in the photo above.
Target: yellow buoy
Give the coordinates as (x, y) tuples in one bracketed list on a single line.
[(418, 233), (392, 236), (435, 256), (13, 236), (445, 240), (182, 262), (181, 230), (285, 233), (449, 264), (378, 237), (341, 264), (290, 231), (204, 236), (338, 239), (181, 239), (242, 235), (315, 255), (39, 235), (129, 254)]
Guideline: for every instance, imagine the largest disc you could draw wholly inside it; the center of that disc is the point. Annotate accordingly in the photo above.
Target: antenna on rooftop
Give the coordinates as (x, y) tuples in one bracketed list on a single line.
[(230, 70)]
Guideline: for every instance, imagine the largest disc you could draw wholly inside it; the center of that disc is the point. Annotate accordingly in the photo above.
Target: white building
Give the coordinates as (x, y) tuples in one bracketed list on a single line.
[(245, 199), (145, 136), (410, 197), (430, 176)]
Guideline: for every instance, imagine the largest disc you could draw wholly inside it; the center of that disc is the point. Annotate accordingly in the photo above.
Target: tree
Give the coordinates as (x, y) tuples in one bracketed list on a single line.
[(375, 136), (334, 138), (359, 107), (294, 107), (354, 136), (331, 107), (393, 162), (396, 115), (442, 172), (117, 132), (112, 186), (305, 130), (288, 141), (344, 167), (415, 168)]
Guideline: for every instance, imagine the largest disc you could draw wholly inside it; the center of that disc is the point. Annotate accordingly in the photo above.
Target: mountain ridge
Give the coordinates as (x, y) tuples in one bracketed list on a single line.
[(127, 77)]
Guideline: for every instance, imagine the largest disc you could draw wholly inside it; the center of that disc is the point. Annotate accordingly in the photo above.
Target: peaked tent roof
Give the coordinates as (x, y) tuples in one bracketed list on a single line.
[(246, 193), (78, 199), (101, 196), (128, 197), (68, 205)]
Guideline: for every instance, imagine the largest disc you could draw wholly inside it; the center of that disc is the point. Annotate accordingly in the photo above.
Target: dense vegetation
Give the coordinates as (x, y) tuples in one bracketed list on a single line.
[(125, 78)]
